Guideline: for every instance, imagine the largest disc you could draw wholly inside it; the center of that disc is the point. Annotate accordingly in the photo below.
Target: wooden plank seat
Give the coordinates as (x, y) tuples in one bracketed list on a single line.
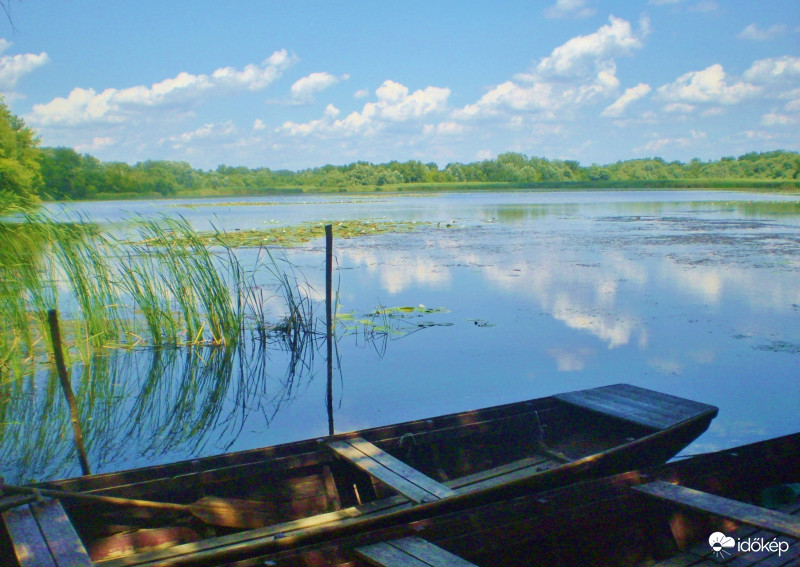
[(777, 522), (409, 552), (42, 536), (638, 405), (406, 480)]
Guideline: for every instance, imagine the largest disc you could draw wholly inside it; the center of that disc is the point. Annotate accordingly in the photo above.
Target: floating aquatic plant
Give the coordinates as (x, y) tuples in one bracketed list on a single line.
[(301, 233)]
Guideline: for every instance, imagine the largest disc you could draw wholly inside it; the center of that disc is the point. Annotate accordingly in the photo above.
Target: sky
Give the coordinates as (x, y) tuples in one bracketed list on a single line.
[(296, 84)]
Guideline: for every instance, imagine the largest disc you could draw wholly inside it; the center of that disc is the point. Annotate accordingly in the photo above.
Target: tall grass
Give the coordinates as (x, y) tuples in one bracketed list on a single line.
[(159, 286)]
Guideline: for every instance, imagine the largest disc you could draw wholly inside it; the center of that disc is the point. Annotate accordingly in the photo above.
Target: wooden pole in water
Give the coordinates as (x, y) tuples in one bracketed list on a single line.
[(63, 376), (329, 319)]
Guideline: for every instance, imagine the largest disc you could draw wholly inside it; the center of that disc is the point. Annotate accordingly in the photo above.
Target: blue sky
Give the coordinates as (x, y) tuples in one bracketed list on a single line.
[(298, 83)]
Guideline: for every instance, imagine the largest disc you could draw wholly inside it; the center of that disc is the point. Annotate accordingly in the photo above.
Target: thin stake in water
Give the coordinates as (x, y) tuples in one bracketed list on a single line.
[(329, 318), (61, 367)]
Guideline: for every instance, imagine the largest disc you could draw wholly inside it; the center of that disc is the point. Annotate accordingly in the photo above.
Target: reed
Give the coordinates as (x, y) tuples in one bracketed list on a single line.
[(163, 285)]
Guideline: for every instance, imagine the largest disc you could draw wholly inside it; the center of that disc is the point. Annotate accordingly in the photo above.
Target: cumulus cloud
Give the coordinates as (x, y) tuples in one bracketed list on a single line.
[(395, 104), (630, 96), (575, 73), (584, 54), (569, 9), (14, 67), (510, 96), (121, 105), (755, 33), (707, 86), (304, 89), (774, 70)]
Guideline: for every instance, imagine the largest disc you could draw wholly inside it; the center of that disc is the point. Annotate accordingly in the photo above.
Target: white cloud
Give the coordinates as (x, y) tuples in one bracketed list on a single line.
[(14, 67), (794, 101), (305, 88), (394, 105), (679, 108), (773, 70), (444, 128), (753, 32), (97, 143), (510, 95), (575, 73), (207, 131), (707, 86), (569, 9), (630, 96), (582, 55), (120, 105), (331, 111), (775, 119), (660, 143), (394, 102)]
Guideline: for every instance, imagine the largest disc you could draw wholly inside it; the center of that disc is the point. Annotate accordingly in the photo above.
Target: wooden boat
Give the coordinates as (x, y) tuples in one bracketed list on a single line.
[(702, 511), (292, 494)]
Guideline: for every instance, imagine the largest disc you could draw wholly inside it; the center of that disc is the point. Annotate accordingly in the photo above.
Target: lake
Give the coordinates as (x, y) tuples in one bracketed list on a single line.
[(507, 296)]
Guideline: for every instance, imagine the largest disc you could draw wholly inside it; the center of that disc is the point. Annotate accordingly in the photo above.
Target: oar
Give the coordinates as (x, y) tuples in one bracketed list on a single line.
[(227, 512)]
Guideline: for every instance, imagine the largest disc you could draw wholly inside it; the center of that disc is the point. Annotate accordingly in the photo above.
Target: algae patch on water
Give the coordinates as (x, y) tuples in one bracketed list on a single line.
[(302, 233), (390, 321)]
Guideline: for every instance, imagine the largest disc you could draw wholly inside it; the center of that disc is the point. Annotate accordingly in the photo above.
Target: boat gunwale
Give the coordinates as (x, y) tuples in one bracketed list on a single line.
[(277, 538), (541, 509)]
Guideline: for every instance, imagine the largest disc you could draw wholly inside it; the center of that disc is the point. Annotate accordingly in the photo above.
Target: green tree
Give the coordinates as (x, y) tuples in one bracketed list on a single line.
[(19, 161)]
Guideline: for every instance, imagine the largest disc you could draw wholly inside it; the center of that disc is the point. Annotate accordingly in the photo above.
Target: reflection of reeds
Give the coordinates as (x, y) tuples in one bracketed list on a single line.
[(145, 405)]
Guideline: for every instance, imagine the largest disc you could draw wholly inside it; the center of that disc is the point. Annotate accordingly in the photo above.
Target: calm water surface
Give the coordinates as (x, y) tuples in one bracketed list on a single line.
[(696, 294)]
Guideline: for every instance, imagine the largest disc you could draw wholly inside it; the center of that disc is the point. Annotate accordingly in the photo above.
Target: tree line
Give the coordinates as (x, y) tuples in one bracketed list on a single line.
[(69, 175), (29, 173)]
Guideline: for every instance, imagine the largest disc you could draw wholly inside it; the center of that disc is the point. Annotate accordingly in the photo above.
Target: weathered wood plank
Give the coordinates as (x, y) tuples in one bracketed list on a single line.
[(386, 555), (515, 470), (200, 550), (29, 544), (408, 552), (401, 468), (655, 412), (209, 547), (61, 537), (764, 518), (407, 481), (645, 407)]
